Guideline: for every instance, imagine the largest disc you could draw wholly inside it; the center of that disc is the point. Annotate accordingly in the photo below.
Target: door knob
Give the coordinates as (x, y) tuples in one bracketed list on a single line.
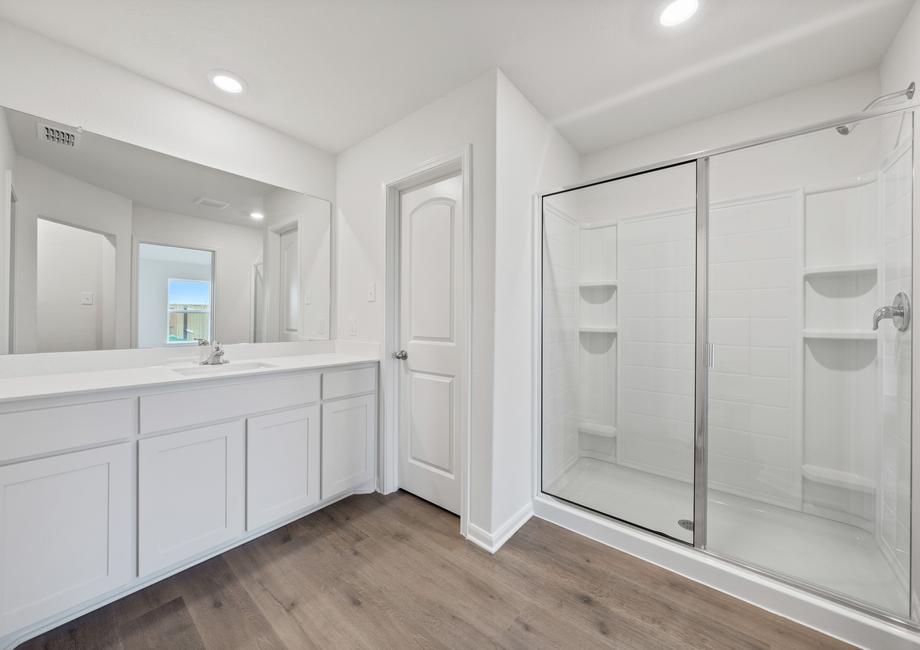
[(402, 355), (898, 311)]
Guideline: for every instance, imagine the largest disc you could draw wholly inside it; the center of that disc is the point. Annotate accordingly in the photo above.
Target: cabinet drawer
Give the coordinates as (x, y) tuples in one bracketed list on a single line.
[(185, 408), (349, 382), (42, 431)]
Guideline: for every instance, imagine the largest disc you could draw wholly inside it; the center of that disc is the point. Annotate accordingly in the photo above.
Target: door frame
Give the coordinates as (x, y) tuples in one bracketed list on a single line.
[(459, 162), (271, 270), (135, 276)]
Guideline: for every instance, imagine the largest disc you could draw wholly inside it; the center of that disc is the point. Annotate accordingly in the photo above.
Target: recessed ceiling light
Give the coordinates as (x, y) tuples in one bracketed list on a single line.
[(677, 12), (258, 216), (227, 81)]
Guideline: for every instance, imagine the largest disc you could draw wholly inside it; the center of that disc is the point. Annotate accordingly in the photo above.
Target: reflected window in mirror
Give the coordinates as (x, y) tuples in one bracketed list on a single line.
[(174, 295), (188, 311)]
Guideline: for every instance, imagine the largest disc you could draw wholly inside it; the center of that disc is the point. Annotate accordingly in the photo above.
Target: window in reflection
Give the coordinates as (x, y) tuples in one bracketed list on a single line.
[(189, 310), (174, 295)]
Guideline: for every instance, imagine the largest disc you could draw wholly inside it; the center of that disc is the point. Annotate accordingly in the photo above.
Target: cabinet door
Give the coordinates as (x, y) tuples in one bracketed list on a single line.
[(65, 532), (349, 437), (190, 493), (282, 464)]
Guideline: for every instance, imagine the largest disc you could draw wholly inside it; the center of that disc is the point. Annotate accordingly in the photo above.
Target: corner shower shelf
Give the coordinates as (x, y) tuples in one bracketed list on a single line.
[(604, 284), (595, 429), (840, 335), (597, 330), (840, 269), (838, 478)]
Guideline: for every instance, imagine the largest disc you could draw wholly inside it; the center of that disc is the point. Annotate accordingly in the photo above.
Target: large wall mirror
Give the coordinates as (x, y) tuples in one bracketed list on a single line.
[(106, 245)]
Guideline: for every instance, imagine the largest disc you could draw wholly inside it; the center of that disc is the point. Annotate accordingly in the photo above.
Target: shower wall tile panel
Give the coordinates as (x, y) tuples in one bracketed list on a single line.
[(656, 332), (754, 432), (895, 275), (560, 307)]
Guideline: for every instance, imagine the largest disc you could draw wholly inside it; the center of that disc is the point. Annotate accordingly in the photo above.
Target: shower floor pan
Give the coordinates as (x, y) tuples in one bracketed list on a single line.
[(829, 554)]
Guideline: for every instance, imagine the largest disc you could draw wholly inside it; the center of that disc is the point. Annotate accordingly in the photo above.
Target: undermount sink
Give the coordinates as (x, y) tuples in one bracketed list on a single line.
[(222, 369)]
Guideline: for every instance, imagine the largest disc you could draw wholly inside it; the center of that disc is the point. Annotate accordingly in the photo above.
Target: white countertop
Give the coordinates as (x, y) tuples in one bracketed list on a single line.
[(70, 383)]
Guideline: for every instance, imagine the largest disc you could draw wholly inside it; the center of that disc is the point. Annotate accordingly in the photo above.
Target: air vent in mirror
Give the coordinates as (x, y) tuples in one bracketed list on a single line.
[(58, 135), (211, 203)]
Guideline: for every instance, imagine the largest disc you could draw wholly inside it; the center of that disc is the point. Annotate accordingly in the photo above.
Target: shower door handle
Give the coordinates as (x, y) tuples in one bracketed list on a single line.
[(898, 311)]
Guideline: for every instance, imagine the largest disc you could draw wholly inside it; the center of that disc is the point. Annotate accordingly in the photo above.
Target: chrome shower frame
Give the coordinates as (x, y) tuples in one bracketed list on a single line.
[(702, 356)]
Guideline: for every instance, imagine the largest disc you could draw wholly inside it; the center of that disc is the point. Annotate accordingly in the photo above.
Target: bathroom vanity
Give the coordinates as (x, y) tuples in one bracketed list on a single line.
[(113, 479)]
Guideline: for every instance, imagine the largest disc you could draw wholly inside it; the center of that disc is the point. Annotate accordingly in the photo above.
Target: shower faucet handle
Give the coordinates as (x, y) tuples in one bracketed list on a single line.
[(898, 311)]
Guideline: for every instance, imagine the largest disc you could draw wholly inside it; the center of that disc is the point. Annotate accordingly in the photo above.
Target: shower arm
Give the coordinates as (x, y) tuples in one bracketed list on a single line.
[(846, 129), (907, 92)]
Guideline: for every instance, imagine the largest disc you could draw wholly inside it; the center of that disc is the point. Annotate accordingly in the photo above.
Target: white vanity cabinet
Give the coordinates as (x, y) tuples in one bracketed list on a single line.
[(191, 487), (282, 464), (349, 431), (104, 492), (65, 532)]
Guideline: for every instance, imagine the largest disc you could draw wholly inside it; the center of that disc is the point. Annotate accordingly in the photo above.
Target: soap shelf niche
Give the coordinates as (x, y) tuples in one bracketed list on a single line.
[(840, 277), (597, 341)]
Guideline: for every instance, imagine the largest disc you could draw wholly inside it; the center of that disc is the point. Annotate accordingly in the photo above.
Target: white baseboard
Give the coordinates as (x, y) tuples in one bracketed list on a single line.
[(495, 540), (833, 619)]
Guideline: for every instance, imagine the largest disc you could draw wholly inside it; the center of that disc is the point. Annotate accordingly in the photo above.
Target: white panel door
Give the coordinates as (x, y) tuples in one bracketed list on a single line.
[(290, 286), (282, 464), (431, 323), (65, 532), (349, 433), (190, 493)]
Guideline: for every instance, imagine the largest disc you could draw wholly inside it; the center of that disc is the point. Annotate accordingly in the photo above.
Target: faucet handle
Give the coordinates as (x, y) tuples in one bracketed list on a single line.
[(898, 311), (203, 342)]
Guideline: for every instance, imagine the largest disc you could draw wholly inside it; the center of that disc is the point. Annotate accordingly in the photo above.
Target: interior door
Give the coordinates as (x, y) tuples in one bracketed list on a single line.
[(290, 286), (430, 296)]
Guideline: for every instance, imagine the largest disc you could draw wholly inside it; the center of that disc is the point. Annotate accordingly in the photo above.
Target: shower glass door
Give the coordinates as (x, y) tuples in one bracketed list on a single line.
[(809, 389), (618, 348)]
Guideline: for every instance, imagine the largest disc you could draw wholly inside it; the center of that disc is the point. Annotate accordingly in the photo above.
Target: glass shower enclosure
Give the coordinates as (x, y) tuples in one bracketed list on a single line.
[(727, 359)]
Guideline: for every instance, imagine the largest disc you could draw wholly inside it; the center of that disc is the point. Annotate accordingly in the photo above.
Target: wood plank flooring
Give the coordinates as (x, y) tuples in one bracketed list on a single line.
[(393, 572)]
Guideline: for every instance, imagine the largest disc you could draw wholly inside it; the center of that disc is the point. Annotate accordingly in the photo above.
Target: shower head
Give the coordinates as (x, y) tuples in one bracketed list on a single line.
[(908, 93)]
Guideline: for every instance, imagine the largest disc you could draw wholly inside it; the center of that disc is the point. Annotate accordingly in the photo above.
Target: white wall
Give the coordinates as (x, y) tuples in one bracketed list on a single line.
[(7, 162), (235, 248), (44, 192), (109, 100), (443, 128), (530, 156), (70, 262)]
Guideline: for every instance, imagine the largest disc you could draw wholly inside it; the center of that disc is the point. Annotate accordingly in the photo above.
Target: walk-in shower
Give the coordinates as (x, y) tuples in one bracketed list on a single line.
[(710, 367)]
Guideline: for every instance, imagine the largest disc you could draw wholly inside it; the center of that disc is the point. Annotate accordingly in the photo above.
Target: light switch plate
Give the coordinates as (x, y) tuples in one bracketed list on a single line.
[(307, 297), (372, 292), (352, 327), (87, 297)]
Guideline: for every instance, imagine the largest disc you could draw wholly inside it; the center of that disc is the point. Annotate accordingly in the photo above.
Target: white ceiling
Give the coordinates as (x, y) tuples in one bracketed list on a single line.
[(144, 176), (332, 72)]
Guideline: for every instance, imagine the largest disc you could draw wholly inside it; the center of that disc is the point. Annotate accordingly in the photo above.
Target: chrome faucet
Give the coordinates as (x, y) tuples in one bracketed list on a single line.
[(898, 311), (216, 358)]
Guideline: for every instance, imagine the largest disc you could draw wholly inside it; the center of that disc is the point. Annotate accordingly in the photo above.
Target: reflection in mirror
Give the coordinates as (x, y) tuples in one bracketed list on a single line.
[(173, 295), (115, 246)]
